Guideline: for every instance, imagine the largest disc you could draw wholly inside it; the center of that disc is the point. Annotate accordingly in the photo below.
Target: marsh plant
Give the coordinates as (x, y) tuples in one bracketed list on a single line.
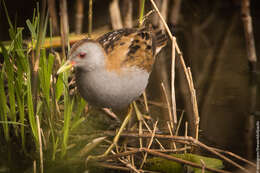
[(29, 87)]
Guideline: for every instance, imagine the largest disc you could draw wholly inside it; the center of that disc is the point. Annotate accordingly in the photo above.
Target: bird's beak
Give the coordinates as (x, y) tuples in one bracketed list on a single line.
[(65, 67)]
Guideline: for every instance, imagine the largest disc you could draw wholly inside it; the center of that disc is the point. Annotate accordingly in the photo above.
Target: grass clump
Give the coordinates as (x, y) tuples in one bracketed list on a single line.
[(26, 91)]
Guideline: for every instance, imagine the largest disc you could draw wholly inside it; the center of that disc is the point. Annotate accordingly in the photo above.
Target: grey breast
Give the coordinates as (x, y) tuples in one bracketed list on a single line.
[(110, 89)]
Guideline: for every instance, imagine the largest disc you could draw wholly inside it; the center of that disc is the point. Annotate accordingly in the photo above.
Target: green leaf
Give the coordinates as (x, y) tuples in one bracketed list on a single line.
[(32, 29)]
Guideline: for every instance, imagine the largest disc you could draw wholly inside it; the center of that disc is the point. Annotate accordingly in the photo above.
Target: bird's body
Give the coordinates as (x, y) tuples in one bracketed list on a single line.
[(113, 70), (110, 89)]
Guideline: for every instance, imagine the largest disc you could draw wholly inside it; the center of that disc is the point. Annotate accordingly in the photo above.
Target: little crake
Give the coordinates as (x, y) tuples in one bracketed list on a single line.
[(113, 70)]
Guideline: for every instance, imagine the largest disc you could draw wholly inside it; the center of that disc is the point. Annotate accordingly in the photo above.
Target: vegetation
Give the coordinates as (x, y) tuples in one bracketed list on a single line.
[(52, 103)]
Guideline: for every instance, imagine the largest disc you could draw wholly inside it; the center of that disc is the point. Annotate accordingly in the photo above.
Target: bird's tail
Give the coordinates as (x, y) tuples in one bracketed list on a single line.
[(160, 39)]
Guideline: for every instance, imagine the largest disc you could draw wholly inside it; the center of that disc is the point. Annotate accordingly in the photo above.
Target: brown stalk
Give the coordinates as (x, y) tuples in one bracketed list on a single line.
[(34, 166), (149, 145), (64, 26), (36, 60), (162, 155), (169, 107), (79, 16), (115, 15), (175, 12), (194, 104), (184, 140), (127, 164), (170, 130), (128, 13), (164, 12), (174, 46), (235, 156), (249, 35), (90, 18), (186, 134), (203, 166), (53, 16)]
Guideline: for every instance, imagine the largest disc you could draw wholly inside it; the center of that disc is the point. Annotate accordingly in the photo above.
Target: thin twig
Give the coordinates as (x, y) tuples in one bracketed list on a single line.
[(179, 123), (169, 106), (40, 142), (186, 140), (203, 166), (235, 156), (170, 130), (149, 145), (186, 133)]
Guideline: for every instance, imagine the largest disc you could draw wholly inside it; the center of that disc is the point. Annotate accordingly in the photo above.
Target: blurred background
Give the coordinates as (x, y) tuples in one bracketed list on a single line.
[(211, 36)]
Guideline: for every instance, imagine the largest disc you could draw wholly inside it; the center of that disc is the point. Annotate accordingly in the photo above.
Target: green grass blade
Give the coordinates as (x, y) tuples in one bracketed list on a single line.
[(3, 107), (31, 115), (10, 82), (32, 29), (68, 105)]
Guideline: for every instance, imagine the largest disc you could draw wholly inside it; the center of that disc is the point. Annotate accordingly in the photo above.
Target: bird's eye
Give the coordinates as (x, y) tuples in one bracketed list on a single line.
[(82, 54)]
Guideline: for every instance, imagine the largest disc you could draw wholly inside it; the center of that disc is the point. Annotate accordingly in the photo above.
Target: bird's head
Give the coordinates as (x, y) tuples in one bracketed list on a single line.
[(86, 55)]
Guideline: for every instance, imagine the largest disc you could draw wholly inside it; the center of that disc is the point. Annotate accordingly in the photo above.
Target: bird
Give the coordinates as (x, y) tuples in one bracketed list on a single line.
[(113, 70)]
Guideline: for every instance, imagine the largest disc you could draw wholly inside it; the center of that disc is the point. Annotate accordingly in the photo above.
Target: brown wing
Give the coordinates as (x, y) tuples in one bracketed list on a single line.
[(129, 47)]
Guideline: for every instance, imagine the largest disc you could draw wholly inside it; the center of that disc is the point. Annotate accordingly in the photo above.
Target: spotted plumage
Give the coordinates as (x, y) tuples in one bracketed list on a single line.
[(114, 69)]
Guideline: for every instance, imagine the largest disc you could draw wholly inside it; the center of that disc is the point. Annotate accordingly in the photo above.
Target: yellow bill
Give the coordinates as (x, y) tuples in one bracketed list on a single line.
[(65, 67)]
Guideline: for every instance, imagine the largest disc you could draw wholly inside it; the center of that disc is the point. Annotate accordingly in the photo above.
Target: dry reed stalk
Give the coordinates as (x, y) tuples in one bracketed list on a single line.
[(64, 26), (162, 155), (171, 133), (145, 102), (126, 163), (179, 124), (128, 13), (36, 60), (184, 140), (186, 134), (175, 11), (149, 145), (174, 43), (140, 120), (174, 109), (155, 18), (40, 142), (194, 104), (111, 114), (164, 12), (34, 166), (203, 166), (79, 16), (53, 16), (164, 151), (169, 107), (115, 15), (235, 156), (150, 131), (90, 18), (249, 35)]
